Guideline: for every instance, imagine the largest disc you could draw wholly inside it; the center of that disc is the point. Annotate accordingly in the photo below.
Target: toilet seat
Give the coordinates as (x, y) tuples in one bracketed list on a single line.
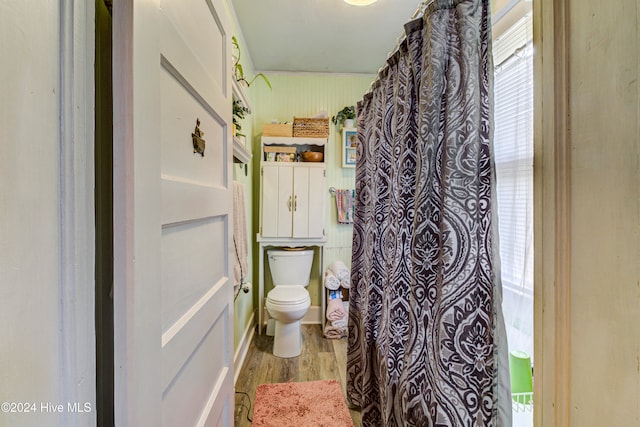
[(288, 295)]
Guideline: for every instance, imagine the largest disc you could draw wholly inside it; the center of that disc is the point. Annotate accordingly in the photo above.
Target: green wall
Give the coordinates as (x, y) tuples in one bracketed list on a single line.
[(244, 303), (300, 95), (303, 95)]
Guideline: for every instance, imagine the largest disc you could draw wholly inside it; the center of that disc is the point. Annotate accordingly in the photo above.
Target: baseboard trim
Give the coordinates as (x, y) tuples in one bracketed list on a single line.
[(313, 316), (243, 348)]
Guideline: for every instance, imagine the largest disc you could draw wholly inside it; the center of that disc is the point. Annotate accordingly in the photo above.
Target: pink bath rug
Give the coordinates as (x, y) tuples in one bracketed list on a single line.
[(305, 404)]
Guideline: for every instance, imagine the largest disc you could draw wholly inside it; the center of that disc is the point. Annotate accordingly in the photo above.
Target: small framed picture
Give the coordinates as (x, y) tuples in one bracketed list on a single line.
[(349, 141)]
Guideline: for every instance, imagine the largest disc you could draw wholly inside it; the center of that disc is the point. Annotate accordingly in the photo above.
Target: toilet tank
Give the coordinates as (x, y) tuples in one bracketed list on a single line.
[(290, 268)]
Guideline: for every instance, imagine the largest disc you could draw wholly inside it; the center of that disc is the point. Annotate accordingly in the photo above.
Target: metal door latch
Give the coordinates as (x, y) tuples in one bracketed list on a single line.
[(198, 142)]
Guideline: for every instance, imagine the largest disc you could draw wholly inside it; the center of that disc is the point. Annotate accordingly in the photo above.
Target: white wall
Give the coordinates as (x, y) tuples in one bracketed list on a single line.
[(46, 214)]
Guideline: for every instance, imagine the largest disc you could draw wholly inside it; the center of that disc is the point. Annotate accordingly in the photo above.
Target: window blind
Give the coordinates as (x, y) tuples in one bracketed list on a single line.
[(513, 153)]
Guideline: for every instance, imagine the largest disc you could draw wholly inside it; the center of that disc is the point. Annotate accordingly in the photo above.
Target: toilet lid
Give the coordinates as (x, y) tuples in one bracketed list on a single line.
[(288, 294)]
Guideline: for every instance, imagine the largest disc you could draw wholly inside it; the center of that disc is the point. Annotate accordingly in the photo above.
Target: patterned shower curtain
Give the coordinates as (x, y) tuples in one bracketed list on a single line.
[(426, 342)]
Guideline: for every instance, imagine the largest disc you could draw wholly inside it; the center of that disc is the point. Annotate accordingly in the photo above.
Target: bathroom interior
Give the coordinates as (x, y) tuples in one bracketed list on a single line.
[(117, 171), (278, 103)]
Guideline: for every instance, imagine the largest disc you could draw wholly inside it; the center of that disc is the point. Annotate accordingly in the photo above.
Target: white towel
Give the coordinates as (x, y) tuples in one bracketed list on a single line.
[(331, 281), (340, 270), (346, 283), (241, 262)]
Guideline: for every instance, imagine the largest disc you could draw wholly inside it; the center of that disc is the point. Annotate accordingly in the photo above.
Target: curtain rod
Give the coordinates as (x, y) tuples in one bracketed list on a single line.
[(421, 8), (419, 11)]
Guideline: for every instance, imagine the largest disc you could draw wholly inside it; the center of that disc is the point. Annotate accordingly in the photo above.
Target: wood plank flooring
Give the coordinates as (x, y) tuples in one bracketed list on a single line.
[(321, 359)]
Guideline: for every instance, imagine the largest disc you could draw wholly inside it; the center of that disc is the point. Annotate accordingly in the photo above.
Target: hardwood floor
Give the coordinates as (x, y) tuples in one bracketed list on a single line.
[(321, 359)]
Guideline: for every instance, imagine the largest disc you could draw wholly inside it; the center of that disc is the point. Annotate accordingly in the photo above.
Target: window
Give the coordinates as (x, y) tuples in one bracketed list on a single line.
[(513, 149)]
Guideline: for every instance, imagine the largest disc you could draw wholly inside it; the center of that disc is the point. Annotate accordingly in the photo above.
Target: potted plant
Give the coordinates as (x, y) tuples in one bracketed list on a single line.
[(238, 72), (345, 116), (239, 111)]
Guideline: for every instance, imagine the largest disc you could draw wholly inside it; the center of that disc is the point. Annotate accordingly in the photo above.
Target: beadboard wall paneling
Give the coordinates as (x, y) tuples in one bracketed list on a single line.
[(304, 95)]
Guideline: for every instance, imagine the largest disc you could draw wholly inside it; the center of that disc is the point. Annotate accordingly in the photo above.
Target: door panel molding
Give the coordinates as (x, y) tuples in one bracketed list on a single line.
[(208, 99), (186, 201), (184, 335)]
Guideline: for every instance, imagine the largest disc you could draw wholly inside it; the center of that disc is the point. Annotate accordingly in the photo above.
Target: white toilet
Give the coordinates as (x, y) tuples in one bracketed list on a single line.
[(289, 300)]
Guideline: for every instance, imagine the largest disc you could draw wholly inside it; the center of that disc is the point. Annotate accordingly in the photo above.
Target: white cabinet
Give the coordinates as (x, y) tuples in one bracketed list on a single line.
[(292, 192), (293, 200)]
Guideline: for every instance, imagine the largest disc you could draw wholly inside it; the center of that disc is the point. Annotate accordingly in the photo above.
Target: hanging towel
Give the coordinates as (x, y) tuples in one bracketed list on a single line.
[(345, 205), (340, 270), (331, 281), (241, 247)]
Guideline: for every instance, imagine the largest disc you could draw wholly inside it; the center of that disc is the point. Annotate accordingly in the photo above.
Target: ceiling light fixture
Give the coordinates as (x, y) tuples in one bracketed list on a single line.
[(360, 2)]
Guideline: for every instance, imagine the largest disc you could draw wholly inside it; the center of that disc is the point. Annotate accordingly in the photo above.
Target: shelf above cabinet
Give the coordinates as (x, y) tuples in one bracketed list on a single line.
[(289, 140), (238, 93), (241, 153), (292, 149)]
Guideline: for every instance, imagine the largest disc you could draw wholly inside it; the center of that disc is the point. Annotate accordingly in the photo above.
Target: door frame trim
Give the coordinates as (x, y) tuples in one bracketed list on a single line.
[(552, 213), (76, 207), (136, 207)]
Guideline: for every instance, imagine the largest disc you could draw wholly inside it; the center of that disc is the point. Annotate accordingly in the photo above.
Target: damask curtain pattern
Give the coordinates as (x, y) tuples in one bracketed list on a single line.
[(425, 327)]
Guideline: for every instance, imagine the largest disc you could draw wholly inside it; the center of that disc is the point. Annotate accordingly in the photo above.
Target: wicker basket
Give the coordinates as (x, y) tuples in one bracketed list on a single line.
[(277, 129), (310, 128)]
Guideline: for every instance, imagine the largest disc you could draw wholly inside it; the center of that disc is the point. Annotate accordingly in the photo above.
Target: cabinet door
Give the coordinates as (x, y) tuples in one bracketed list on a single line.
[(285, 201), (317, 198), (277, 201), (308, 196), (301, 202)]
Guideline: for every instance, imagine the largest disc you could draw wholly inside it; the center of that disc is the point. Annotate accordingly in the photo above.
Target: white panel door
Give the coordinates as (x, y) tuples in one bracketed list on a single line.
[(173, 293)]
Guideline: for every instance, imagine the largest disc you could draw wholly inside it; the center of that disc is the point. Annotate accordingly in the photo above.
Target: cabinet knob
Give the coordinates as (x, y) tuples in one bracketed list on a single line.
[(295, 202), (289, 203)]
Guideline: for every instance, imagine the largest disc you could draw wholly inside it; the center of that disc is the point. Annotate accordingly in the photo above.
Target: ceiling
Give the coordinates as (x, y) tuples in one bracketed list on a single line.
[(328, 36)]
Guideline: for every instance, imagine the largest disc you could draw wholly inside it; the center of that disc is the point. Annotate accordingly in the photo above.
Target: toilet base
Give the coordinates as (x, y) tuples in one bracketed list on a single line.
[(287, 341)]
